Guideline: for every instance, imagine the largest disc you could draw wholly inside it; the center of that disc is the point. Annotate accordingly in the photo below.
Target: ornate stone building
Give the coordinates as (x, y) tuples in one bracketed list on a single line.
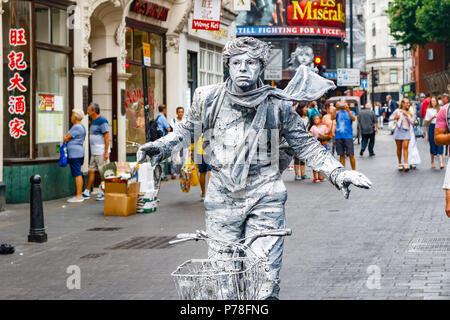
[(74, 52)]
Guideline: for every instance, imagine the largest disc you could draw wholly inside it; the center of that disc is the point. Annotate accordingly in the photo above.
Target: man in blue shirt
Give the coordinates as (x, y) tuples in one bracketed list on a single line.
[(344, 132), (100, 148), (161, 119)]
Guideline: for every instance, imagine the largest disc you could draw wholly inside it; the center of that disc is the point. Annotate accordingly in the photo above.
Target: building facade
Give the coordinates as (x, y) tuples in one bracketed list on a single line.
[(383, 55), (431, 68), (60, 55)]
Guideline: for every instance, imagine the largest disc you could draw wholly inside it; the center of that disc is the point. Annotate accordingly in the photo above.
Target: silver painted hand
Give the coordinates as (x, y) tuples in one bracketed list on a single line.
[(348, 177), (151, 150)]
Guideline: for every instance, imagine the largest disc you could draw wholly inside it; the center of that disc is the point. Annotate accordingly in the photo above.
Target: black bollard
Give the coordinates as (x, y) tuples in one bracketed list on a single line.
[(37, 229)]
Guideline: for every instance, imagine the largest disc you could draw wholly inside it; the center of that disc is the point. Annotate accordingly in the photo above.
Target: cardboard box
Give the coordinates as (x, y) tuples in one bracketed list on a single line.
[(120, 198)]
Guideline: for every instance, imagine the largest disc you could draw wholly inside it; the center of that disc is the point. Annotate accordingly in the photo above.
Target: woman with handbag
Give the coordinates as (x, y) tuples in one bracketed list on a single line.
[(75, 148), (402, 133), (430, 121)]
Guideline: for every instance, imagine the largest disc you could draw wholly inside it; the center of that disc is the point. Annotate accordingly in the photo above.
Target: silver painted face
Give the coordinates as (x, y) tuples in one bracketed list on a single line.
[(244, 71)]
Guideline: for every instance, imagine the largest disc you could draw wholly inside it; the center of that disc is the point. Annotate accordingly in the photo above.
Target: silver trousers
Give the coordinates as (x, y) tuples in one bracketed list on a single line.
[(232, 216)]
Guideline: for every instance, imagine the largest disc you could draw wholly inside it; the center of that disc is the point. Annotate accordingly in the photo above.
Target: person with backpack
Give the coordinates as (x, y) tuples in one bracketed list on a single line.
[(161, 120), (442, 138)]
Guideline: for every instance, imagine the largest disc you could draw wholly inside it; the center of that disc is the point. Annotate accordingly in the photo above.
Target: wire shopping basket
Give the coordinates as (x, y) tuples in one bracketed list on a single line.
[(237, 275), (237, 278)]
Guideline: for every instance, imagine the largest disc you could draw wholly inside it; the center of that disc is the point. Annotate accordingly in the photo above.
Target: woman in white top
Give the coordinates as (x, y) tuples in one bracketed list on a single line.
[(430, 120)]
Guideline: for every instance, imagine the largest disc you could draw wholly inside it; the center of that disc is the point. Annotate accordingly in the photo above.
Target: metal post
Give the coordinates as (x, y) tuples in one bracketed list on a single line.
[(373, 86), (37, 228), (146, 106), (351, 39)]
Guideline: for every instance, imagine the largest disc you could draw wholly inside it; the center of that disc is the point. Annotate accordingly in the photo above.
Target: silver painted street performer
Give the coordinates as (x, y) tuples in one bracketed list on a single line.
[(245, 125)]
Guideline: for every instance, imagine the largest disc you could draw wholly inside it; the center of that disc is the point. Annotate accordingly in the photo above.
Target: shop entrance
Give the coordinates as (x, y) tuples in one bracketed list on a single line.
[(106, 66)]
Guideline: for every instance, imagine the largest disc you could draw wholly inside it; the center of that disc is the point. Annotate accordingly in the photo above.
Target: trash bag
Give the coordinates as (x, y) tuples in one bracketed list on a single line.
[(6, 249), (63, 156)]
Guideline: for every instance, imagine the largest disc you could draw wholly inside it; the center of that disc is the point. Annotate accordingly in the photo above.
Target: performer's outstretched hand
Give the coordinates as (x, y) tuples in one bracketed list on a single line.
[(149, 149), (348, 177)]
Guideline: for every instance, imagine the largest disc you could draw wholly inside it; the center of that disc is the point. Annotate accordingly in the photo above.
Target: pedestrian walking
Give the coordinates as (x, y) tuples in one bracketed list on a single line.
[(99, 145), (75, 150), (164, 127), (367, 121), (379, 113), (331, 125), (321, 133), (178, 158), (391, 104), (161, 120), (430, 121), (402, 133), (344, 133), (413, 153), (201, 158), (442, 138), (302, 109), (313, 111)]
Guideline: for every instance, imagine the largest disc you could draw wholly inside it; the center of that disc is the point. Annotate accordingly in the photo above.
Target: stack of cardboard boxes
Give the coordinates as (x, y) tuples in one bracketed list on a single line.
[(129, 189)]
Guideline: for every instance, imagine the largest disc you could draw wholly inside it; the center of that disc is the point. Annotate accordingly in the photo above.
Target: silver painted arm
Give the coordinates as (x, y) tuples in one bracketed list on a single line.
[(180, 137), (309, 150)]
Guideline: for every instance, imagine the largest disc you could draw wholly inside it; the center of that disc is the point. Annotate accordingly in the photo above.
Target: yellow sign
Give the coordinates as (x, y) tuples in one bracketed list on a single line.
[(146, 53)]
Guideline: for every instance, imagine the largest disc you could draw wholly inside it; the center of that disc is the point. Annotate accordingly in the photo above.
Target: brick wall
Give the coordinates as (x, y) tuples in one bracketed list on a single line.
[(423, 67)]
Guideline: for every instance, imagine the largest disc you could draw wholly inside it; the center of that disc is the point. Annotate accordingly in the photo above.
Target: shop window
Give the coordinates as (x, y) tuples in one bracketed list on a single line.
[(43, 20), (42, 104), (129, 43), (393, 75), (138, 37), (211, 66), (134, 103), (374, 7), (52, 95), (51, 25)]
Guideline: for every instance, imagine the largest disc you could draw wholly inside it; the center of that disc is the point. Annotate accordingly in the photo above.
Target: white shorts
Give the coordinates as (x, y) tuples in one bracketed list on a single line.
[(447, 177)]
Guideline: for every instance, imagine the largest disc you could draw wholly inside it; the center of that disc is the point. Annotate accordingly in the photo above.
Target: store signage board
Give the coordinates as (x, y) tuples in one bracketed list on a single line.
[(291, 31), (241, 5), (324, 18), (207, 14), (348, 77), (149, 9), (147, 54), (274, 68), (16, 87)]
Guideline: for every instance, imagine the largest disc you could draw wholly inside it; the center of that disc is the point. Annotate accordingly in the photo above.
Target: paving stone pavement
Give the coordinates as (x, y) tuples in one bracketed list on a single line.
[(360, 248)]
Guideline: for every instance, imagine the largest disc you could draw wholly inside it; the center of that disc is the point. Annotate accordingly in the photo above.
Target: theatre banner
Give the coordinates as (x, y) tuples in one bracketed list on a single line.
[(291, 17)]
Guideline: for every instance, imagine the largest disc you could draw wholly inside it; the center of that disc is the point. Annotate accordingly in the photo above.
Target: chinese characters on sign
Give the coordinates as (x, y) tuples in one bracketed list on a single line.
[(207, 14), (17, 103)]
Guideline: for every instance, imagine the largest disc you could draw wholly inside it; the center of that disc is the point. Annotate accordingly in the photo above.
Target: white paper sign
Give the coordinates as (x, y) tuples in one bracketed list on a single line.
[(207, 14)]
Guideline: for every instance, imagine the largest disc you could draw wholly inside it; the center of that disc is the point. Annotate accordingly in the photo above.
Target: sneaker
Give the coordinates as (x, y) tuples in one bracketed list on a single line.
[(202, 197), (75, 199), (100, 197), (316, 180), (304, 177), (372, 154), (361, 153), (174, 176), (321, 179), (298, 178), (86, 194)]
